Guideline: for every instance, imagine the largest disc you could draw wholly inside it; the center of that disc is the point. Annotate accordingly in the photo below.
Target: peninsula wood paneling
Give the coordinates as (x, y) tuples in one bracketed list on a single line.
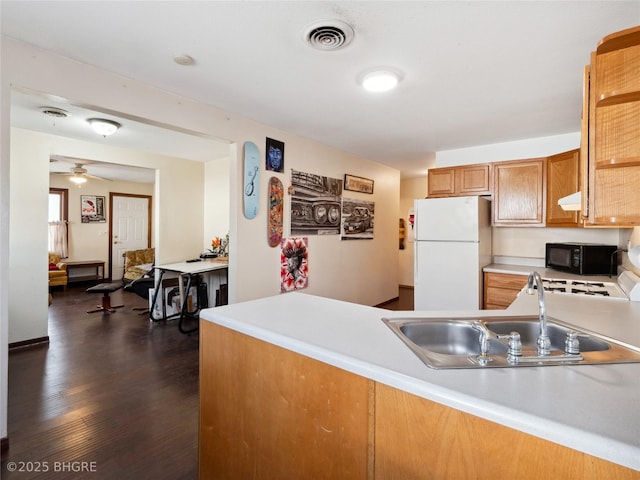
[(417, 439), (269, 413)]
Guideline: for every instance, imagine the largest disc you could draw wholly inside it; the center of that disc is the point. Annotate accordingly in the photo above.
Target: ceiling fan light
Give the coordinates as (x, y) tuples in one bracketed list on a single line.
[(104, 127), (380, 81), (78, 180)]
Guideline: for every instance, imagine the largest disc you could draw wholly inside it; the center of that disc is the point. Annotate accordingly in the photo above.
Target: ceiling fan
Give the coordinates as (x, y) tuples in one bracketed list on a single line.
[(78, 174)]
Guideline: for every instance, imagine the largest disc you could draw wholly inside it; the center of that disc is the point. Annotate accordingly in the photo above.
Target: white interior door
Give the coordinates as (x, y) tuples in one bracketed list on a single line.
[(130, 229)]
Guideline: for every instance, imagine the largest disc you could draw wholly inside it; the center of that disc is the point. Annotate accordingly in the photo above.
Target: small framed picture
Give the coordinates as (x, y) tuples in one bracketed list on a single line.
[(274, 155), (92, 209), (358, 184)]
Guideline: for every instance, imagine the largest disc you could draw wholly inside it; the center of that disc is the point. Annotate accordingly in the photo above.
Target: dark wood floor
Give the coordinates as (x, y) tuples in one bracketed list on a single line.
[(111, 393), (111, 390), (403, 302)]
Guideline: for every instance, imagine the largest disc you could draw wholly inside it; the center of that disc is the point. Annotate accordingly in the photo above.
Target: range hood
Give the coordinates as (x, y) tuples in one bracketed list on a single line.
[(571, 202)]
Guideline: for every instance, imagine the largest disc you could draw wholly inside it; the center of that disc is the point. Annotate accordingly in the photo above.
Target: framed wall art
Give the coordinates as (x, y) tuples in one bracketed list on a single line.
[(294, 264), (315, 204), (358, 184), (92, 209), (357, 219), (274, 155)]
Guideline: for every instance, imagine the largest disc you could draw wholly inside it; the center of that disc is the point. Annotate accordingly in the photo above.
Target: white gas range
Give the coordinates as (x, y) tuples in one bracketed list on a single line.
[(627, 287)]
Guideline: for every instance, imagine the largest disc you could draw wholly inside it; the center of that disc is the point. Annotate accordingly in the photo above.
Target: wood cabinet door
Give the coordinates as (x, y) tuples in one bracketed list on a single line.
[(464, 180), (614, 131), (563, 178), (441, 182), (518, 193), (473, 180)]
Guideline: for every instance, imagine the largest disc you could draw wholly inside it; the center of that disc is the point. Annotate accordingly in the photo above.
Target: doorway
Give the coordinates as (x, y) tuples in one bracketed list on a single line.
[(129, 228)]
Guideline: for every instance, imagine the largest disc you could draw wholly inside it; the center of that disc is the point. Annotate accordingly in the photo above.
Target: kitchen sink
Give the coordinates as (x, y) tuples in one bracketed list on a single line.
[(455, 342)]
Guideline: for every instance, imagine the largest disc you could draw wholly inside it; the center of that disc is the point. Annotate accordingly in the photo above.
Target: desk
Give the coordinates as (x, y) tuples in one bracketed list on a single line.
[(188, 271), (85, 264)]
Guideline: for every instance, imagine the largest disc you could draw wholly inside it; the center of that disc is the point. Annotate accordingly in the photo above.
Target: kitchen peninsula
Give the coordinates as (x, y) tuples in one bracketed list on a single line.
[(300, 386)]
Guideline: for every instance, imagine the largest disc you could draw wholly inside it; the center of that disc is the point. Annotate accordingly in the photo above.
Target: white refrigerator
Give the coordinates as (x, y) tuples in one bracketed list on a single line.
[(452, 245)]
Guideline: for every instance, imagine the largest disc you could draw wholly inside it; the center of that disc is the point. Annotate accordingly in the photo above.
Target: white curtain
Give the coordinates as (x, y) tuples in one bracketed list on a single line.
[(58, 238)]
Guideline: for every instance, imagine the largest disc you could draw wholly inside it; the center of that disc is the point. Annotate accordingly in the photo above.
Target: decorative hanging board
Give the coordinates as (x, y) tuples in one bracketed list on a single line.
[(251, 179)]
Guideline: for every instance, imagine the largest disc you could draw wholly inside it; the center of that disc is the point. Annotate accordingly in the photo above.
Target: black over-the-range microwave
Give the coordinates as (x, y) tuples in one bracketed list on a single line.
[(580, 258)]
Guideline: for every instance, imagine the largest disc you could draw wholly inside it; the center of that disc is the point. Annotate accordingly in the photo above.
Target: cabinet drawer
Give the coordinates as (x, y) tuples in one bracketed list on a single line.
[(500, 297), (501, 289), (506, 280)]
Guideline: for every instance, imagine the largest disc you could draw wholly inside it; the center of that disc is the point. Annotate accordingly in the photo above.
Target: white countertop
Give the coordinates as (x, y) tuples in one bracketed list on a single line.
[(590, 408)]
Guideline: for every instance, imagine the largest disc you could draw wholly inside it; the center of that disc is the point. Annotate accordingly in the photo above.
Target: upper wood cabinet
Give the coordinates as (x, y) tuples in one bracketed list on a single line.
[(563, 178), (459, 181), (518, 193), (441, 182), (613, 194)]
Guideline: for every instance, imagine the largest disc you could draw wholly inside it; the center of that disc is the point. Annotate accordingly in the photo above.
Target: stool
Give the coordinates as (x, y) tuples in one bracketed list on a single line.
[(105, 289)]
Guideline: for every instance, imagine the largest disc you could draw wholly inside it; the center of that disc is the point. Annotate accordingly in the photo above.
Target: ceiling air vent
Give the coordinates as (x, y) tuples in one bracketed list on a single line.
[(328, 35), (54, 112)]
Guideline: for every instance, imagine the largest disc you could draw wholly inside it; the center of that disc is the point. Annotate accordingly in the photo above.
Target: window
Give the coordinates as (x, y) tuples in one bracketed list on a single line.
[(58, 216), (58, 207)]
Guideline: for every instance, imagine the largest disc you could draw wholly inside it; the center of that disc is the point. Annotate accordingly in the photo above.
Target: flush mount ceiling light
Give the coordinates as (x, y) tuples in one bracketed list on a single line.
[(328, 35), (184, 60), (380, 80), (104, 127)]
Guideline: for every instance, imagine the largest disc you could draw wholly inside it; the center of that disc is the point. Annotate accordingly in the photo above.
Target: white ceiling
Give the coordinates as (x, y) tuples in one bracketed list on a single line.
[(474, 72), (27, 113)]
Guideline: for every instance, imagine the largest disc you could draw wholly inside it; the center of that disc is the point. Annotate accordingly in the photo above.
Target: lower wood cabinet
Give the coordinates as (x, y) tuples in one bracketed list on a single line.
[(269, 413), (501, 289)]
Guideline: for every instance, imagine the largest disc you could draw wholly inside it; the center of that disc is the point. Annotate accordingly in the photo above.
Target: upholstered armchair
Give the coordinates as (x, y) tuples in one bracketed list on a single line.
[(137, 263), (57, 271)]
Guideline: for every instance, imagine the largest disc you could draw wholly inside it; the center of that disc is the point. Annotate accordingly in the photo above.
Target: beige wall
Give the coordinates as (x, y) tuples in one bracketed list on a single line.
[(216, 200), (410, 189), (5, 204)]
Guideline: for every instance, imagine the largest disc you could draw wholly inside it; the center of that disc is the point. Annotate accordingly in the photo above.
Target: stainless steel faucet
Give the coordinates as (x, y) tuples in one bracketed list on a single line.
[(512, 340), (544, 344)]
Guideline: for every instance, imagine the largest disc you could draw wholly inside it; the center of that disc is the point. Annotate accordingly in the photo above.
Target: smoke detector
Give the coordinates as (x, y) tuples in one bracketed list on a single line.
[(328, 35)]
